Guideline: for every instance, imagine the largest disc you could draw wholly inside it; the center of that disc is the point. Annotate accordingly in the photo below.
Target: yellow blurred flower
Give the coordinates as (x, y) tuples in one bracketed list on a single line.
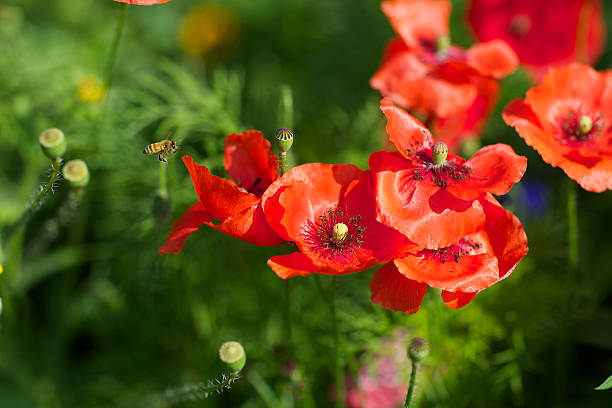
[(1, 269), (208, 28), (91, 90)]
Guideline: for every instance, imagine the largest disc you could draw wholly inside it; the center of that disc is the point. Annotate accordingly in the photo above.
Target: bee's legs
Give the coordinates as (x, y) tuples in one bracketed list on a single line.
[(162, 158)]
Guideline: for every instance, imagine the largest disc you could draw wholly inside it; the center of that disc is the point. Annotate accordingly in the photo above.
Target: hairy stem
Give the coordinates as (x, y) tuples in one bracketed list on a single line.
[(411, 384)]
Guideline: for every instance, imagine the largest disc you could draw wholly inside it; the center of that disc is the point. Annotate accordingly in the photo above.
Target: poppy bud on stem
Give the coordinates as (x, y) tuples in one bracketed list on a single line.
[(53, 143), (283, 141), (232, 353), (417, 351)]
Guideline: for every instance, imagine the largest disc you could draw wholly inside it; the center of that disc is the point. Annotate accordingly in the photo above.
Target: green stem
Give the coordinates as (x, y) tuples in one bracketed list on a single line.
[(108, 75), (288, 317), (337, 358), (36, 203), (572, 228), (412, 384), (163, 179), (563, 343), (282, 159)]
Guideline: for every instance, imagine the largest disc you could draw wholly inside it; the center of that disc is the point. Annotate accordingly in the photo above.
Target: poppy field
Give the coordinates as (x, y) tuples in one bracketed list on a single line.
[(359, 204)]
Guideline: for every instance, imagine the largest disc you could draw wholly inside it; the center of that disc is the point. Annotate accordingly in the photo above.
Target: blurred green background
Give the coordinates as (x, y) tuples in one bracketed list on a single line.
[(94, 317)]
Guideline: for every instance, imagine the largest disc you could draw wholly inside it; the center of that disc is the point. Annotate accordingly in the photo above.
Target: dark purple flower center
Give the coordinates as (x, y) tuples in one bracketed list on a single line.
[(577, 129), (520, 25), (440, 173), (335, 234)]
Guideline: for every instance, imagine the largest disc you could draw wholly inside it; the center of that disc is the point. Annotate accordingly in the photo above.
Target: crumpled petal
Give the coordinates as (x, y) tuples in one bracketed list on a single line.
[(456, 300), (392, 290), (188, 223), (249, 161), (493, 58), (415, 20)]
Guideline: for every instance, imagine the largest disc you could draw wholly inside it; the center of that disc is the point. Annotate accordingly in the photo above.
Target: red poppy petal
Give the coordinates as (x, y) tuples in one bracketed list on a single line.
[(405, 132), (467, 124), (592, 173), (456, 300), (392, 290), (576, 84), (304, 193), (428, 215), (220, 196), (287, 266), (416, 20), (188, 223), (495, 168), (250, 226), (470, 274), (506, 236), (494, 58), (249, 161)]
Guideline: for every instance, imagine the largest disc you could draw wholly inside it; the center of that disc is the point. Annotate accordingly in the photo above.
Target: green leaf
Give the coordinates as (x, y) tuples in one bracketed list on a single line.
[(606, 384)]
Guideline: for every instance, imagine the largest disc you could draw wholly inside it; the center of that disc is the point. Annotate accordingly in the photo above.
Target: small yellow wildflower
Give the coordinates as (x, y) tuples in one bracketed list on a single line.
[(208, 28), (91, 90)]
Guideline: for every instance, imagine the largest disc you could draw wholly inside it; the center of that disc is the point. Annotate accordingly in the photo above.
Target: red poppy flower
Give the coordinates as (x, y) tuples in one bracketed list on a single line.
[(236, 206), (567, 120), (475, 262), (143, 2), (543, 32), (432, 201), (422, 71), (328, 211), (468, 123)]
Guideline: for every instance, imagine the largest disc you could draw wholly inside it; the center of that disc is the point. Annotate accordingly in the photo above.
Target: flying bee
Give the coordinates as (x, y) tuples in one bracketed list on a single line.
[(164, 148)]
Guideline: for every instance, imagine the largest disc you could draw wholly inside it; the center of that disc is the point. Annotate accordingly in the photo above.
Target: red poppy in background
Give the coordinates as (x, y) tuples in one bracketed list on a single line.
[(143, 2), (434, 204), (567, 120), (467, 124), (329, 212), (543, 32), (475, 262), (236, 206), (421, 70)]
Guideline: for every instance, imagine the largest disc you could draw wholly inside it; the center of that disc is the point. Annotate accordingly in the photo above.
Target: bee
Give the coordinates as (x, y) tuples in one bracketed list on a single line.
[(164, 148)]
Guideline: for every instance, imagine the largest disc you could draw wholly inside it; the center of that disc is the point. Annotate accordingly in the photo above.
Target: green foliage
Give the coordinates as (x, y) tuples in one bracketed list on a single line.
[(94, 317)]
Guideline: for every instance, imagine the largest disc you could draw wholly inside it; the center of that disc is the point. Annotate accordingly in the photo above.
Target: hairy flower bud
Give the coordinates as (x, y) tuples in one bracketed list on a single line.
[(52, 142), (284, 139), (232, 353), (418, 349), (76, 172)]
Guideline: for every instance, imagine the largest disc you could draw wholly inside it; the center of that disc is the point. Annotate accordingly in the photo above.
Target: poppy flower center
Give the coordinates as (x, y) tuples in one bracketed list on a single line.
[(452, 253), (578, 130), (336, 233), (435, 167), (256, 187)]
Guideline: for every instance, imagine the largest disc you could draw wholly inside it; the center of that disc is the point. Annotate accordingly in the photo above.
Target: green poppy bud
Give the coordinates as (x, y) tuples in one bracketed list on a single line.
[(76, 172), (418, 349), (232, 353), (585, 123), (439, 151), (284, 139), (53, 143)]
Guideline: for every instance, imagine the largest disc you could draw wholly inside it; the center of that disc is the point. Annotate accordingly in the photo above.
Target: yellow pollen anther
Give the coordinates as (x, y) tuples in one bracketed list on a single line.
[(585, 124), (340, 231)]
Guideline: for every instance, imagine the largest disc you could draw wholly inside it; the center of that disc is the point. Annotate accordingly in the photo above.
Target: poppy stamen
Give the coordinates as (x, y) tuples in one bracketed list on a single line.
[(578, 129), (435, 165), (336, 233)]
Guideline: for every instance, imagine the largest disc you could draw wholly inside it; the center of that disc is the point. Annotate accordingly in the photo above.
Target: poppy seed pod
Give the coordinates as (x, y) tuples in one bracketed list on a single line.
[(284, 139), (232, 353), (52, 142), (439, 152), (418, 349), (76, 172)]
